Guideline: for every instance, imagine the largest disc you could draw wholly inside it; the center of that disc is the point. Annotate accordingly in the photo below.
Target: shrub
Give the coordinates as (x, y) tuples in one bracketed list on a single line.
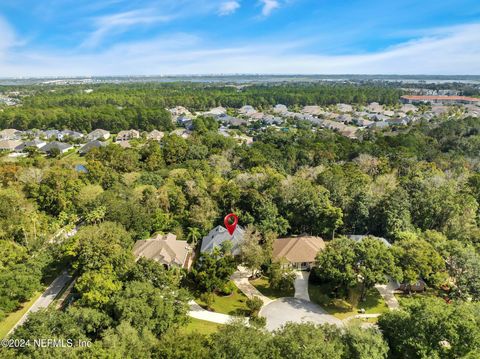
[(258, 322), (228, 288), (208, 299), (254, 305), (281, 279)]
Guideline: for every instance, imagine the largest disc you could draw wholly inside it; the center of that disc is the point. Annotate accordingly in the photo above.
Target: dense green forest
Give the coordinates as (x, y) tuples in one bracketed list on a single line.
[(143, 106), (418, 188)]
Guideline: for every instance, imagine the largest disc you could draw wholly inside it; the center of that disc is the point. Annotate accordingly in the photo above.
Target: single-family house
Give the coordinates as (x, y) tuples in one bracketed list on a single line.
[(378, 117), (231, 121), (257, 116), (299, 252), (243, 139), (360, 237), (362, 122), (216, 111), (51, 134), (408, 108), (62, 135), (90, 146), (375, 107), (313, 110), (380, 124), (397, 122), (10, 134), (34, 143), (9, 145), (345, 118), (281, 109), (247, 110), (155, 135), (165, 249), (343, 107), (418, 286), (61, 146), (127, 135), (98, 134), (219, 235), (179, 111), (182, 132), (272, 120), (185, 121)]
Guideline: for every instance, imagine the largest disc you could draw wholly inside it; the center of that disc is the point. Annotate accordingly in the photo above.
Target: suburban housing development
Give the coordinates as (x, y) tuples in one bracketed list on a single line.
[(356, 211)]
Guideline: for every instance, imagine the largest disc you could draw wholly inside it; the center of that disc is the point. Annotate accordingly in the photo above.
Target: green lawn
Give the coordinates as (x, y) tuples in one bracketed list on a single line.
[(200, 326), (344, 308), (14, 317), (233, 304), (263, 287)]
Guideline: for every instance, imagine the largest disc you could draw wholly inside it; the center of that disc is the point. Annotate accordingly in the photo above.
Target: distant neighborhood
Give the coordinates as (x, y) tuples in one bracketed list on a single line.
[(243, 123)]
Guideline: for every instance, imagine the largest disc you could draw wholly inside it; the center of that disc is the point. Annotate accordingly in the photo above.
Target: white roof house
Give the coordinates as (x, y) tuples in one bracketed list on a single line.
[(34, 143), (218, 235), (62, 147), (98, 134), (10, 134), (216, 111), (127, 135), (247, 110), (155, 135), (279, 108), (360, 237)]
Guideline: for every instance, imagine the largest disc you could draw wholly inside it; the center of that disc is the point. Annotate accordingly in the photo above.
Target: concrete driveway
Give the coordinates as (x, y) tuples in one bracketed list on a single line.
[(301, 285), (295, 310)]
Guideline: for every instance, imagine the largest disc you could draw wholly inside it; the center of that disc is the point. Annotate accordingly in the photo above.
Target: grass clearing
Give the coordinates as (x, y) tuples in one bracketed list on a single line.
[(233, 304), (263, 287), (344, 308), (12, 318), (200, 326)]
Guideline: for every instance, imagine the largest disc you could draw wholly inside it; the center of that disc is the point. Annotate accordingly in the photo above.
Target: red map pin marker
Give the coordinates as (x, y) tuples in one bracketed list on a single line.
[(230, 226)]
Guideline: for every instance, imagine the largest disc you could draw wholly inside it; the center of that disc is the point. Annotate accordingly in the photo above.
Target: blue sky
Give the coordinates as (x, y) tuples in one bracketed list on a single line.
[(146, 37)]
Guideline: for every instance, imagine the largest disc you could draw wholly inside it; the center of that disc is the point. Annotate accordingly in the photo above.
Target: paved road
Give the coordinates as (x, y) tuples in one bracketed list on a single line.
[(295, 310), (301, 285), (46, 298)]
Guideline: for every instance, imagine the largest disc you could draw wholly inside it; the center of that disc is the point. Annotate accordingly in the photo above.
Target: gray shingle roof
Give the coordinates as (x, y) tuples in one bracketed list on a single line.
[(218, 235)]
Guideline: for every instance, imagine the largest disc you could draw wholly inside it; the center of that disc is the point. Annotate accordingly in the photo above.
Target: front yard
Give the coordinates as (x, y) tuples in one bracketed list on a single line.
[(200, 326), (344, 308), (263, 287), (233, 304)]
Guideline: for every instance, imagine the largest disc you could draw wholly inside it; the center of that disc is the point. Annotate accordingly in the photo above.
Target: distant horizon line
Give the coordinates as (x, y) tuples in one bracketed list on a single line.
[(234, 75)]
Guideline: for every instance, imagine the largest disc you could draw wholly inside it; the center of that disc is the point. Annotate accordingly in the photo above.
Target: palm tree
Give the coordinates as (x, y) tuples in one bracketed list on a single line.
[(193, 235)]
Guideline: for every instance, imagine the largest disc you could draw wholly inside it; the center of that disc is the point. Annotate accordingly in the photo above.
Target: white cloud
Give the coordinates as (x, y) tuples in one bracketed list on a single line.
[(268, 6), (7, 37), (454, 50), (228, 8), (120, 22)]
